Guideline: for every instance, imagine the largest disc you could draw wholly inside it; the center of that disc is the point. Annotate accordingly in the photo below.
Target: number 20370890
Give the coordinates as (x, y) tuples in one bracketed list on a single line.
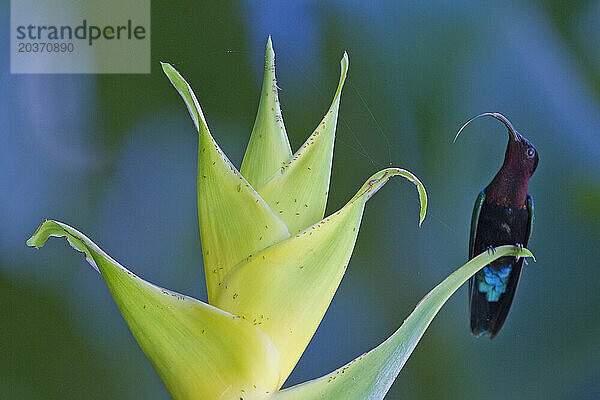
[(45, 47)]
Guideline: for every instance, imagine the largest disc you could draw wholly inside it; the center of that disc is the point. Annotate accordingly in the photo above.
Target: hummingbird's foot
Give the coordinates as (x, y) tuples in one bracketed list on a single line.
[(491, 250), (520, 247)]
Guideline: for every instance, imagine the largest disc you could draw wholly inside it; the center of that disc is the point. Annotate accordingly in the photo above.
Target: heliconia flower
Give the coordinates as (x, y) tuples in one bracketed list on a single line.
[(272, 265)]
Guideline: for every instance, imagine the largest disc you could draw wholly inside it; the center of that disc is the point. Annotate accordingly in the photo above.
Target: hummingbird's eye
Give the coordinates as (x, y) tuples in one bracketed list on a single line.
[(530, 152)]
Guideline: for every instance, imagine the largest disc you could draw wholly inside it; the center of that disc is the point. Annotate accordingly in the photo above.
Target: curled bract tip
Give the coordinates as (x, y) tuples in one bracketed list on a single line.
[(377, 180)]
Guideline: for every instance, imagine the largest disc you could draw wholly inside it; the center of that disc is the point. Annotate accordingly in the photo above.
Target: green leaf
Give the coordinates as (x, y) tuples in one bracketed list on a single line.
[(298, 190), (286, 288), (197, 350), (235, 221), (371, 375), (268, 148)]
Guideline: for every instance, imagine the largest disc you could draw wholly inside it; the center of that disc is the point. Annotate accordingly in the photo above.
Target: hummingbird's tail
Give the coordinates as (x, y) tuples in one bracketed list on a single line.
[(491, 293)]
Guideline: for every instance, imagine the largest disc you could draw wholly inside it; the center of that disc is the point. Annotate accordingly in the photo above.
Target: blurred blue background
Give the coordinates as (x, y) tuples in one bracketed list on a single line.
[(115, 156)]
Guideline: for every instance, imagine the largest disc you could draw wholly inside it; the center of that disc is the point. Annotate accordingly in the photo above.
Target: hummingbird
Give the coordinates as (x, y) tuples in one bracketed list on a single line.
[(503, 214)]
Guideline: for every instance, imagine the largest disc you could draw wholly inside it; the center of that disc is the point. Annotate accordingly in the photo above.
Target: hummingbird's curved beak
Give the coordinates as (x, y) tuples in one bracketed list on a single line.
[(511, 129)]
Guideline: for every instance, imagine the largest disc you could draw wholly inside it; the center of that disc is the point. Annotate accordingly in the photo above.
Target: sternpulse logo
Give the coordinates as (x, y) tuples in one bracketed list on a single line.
[(81, 32)]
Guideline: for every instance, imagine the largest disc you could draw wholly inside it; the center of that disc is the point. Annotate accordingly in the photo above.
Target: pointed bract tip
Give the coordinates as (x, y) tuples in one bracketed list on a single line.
[(344, 61), (269, 54), (511, 130), (166, 66), (422, 216), (32, 242), (531, 256)]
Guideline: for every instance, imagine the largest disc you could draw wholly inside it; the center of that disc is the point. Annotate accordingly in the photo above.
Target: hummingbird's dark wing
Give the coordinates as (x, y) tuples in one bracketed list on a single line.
[(530, 220), (474, 221)]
